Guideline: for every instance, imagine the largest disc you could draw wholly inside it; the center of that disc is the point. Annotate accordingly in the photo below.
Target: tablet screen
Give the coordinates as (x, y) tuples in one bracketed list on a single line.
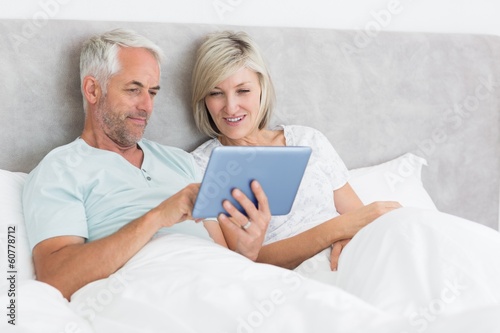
[(279, 171)]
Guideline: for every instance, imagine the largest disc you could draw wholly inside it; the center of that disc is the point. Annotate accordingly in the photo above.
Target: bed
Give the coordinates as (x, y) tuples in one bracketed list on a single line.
[(416, 118)]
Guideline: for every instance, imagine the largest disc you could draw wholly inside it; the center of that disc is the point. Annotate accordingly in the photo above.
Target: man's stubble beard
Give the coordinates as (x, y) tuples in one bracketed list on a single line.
[(115, 127)]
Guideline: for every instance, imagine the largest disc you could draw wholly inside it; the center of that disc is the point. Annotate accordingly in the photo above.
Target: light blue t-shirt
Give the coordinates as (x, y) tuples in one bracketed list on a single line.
[(82, 191)]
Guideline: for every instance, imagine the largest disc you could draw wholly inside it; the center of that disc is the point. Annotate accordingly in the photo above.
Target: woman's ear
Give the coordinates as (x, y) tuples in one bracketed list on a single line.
[(91, 89)]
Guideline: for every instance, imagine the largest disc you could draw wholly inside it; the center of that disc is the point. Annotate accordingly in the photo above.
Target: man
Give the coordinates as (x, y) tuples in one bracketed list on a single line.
[(94, 203)]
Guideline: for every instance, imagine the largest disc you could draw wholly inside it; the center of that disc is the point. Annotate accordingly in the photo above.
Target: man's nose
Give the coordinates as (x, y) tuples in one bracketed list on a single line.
[(146, 102)]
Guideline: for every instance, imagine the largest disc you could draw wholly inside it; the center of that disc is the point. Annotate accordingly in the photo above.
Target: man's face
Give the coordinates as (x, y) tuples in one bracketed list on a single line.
[(124, 111)]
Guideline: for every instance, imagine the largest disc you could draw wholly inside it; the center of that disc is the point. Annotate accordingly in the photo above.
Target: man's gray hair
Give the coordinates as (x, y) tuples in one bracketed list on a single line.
[(99, 55)]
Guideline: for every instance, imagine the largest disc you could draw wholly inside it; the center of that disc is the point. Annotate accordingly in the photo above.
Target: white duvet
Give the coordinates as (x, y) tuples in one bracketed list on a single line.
[(409, 271), (182, 284)]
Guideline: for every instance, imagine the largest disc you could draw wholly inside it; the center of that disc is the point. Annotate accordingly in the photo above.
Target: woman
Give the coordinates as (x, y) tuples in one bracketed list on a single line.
[(233, 98), (424, 265), (430, 268)]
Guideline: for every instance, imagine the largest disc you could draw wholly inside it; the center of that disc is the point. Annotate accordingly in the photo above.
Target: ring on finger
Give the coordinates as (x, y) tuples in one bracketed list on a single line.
[(247, 225)]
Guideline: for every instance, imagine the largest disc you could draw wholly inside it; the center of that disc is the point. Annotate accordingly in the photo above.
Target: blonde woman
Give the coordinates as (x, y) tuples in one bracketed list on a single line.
[(233, 99)]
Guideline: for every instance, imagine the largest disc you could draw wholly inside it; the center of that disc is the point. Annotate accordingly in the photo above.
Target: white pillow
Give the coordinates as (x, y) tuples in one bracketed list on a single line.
[(395, 180), (12, 219)]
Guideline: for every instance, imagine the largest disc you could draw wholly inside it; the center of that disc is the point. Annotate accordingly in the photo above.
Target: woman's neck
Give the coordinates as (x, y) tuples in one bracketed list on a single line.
[(261, 138)]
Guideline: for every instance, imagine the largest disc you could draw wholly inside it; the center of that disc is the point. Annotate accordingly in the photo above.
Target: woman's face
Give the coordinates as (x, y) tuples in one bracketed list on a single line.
[(234, 104)]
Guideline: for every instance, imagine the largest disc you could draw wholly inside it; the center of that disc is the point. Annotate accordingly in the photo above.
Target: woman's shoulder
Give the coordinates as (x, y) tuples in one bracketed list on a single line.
[(206, 147), (300, 134), (202, 153)]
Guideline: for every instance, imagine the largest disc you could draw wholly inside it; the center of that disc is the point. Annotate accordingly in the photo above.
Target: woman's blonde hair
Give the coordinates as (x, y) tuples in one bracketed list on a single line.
[(221, 55)]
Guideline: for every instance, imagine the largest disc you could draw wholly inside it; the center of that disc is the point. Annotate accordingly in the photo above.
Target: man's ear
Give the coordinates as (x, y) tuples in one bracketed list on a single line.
[(91, 89)]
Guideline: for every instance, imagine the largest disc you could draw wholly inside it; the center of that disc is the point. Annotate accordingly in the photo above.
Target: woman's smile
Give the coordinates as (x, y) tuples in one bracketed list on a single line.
[(234, 120)]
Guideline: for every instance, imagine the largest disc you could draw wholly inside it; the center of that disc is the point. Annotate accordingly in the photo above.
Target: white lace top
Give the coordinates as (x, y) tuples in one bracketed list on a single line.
[(325, 173)]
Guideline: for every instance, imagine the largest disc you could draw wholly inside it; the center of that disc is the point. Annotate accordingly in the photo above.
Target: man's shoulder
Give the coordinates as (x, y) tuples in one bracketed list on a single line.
[(63, 158), (168, 155), (68, 152)]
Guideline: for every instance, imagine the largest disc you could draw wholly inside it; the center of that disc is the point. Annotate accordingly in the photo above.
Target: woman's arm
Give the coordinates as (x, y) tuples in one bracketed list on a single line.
[(301, 247), (346, 200), (291, 252), (215, 232)]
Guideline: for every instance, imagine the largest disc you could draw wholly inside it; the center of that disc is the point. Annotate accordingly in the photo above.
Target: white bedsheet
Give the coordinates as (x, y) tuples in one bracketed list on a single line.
[(435, 270), (182, 284), (41, 308), (409, 271)]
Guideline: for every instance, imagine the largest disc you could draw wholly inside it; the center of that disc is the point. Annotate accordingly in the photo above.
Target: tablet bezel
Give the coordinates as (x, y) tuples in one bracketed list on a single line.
[(279, 170)]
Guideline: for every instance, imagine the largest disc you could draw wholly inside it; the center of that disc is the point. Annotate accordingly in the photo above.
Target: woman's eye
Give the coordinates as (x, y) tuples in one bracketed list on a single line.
[(243, 91), (215, 93)]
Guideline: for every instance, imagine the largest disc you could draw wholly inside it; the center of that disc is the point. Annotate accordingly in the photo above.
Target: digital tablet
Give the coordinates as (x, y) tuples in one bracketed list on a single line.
[(279, 171)]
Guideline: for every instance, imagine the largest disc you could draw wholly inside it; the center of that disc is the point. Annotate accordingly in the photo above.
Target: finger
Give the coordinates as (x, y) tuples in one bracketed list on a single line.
[(258, 215), (239, 240), (334, 256), (260, 195), (193, 189), (232, 227), (392, 204), (247, 225), (244, 201), (192, 193), (262, 214), (236, 216), (227, 222)]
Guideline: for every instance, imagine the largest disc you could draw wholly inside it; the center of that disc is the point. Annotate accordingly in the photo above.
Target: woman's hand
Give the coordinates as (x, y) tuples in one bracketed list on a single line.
[(243, 234), (357, 219), (337, 248)]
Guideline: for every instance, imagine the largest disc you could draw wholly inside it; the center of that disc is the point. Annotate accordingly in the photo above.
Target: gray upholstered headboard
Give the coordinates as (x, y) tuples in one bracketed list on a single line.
[(375, 97)]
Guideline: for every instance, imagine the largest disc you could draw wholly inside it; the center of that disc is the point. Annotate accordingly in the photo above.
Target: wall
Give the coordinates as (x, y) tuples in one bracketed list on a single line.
[(459, 16), (473, 16)]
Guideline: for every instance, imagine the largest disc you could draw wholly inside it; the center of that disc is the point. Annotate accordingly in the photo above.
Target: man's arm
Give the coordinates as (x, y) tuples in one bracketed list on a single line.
[(68, 263)]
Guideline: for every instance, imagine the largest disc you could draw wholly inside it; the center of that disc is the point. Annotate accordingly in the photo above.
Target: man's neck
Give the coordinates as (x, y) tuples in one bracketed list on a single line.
[(132, 153)]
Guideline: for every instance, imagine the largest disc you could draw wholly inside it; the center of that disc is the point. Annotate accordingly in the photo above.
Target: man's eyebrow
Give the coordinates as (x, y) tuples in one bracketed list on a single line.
[(137, 83)]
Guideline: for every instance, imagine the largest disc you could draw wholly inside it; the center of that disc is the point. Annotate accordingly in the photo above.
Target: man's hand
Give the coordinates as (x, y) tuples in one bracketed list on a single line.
[(178, 207), (243, 234), (68, 262)]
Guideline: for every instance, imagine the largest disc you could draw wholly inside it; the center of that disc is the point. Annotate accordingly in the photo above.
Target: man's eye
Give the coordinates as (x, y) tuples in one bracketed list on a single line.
[(153, 92)]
